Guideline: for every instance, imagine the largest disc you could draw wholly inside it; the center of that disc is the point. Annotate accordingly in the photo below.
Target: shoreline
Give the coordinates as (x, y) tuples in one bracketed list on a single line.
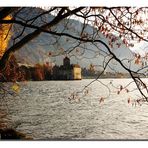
[(12, 134), (65, 80)]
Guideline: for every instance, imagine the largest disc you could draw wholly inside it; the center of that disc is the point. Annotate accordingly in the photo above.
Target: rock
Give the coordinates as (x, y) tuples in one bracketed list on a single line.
[(11, 134)]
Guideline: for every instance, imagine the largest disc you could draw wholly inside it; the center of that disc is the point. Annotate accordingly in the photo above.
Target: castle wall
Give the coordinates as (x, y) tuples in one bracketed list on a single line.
[(77, 73)]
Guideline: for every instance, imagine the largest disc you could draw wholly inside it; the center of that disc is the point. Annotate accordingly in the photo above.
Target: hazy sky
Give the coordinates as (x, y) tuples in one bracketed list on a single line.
[(141, 48)]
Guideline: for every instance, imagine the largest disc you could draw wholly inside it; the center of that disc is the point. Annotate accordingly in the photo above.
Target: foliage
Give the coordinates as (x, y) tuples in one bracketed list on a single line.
[(5, 35)]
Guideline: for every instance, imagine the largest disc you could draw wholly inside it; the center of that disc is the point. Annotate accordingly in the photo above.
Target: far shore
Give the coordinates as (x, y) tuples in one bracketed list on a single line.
[(67, 80)]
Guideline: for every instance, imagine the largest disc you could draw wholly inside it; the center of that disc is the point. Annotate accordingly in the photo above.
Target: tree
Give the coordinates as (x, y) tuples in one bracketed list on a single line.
[(120, 25)]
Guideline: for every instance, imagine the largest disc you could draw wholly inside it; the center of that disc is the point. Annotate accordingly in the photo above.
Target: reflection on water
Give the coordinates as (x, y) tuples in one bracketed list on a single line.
[(44, 111)]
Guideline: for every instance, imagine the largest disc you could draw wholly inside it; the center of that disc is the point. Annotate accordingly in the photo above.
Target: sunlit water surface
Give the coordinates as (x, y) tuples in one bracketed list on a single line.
[(43, 111)]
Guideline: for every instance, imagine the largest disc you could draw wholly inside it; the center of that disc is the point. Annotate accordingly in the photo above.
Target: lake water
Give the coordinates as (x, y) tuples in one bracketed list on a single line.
[(43, 110)]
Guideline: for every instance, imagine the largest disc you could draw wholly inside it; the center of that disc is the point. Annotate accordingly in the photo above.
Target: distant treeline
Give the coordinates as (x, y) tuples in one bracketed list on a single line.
[(15, 72), (89, 73), (39, 72)]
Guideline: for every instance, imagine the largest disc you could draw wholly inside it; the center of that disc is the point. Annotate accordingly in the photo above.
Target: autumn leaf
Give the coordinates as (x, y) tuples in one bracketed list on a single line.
[(118, 44), (137, 61), (15, 87), (5, 35), (124, 41)]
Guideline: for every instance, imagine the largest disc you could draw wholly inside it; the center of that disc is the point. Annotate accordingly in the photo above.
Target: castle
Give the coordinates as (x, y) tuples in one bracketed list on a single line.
[(67, 71), (47, 71)]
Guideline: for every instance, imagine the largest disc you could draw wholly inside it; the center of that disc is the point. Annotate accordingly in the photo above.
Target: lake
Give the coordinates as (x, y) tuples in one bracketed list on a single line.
[(53, 110)]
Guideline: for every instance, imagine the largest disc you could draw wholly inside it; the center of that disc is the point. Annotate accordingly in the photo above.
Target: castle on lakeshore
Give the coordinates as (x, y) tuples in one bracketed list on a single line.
[(66, 71)]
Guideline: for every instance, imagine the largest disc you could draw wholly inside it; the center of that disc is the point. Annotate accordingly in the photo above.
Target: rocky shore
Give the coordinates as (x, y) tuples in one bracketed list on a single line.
[(12, 134), (9, 133)]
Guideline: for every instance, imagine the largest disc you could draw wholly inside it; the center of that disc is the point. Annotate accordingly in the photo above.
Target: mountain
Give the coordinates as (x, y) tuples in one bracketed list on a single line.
[(39, 49)]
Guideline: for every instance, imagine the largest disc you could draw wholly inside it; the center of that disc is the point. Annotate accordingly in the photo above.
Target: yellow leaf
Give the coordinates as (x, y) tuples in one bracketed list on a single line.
[(16, 88)]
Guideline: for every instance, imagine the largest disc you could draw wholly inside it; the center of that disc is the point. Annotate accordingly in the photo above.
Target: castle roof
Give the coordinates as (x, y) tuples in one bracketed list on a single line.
[(66, 58), (76, 65)]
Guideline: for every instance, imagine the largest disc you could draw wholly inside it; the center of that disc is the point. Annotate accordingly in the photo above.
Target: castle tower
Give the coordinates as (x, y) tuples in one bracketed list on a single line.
[(66, 62)]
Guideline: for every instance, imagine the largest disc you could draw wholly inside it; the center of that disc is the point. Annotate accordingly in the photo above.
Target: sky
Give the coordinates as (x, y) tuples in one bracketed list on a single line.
[(141, 48)]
